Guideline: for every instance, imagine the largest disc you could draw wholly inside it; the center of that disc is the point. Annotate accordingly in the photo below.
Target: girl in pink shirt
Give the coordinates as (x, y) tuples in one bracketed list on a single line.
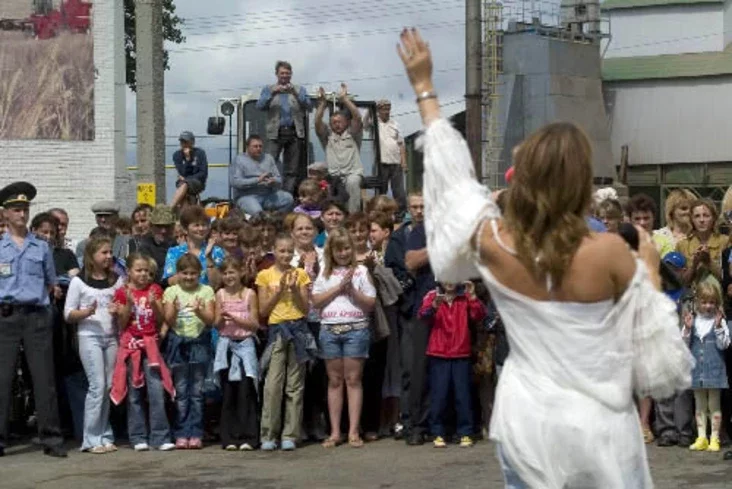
[(236, 358)]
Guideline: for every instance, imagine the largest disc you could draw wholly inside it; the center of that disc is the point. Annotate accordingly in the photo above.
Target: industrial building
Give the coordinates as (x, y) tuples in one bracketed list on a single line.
[(648, 80), (667, 79)]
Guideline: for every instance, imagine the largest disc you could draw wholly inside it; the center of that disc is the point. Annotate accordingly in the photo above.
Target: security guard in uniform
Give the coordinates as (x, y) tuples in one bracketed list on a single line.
[(27, 276)]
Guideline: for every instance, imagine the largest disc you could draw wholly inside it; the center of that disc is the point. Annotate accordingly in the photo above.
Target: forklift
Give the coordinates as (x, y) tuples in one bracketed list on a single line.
[(251, 121)]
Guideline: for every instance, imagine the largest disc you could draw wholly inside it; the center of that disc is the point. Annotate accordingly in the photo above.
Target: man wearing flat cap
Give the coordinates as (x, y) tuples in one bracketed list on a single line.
[(27, 276), (192, 166), (106, 213)]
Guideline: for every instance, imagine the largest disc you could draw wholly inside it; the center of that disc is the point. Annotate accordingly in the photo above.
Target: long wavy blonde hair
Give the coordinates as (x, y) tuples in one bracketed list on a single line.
[(549, 198)]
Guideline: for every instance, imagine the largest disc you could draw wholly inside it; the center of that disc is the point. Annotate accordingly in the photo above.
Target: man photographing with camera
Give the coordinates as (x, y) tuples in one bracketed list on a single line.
[(286, 105)]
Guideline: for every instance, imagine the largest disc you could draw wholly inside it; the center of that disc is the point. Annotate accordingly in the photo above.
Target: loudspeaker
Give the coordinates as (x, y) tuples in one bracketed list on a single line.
[(216, 125)]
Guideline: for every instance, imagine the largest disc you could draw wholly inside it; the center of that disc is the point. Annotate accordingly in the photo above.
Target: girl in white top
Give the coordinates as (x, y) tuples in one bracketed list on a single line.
[(90, 304), (586, 321), (345, 296)]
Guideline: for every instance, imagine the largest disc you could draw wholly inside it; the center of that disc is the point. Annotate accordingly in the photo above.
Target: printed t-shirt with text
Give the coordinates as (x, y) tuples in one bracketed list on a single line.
[(342, 309), (142, 317)]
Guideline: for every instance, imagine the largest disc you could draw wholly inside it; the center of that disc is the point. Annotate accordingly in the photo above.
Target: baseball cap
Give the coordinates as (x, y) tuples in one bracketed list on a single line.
[(186, 136), (675, 259)]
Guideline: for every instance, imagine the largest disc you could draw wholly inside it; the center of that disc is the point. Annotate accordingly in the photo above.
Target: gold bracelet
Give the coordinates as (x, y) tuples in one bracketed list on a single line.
[(426, 96)]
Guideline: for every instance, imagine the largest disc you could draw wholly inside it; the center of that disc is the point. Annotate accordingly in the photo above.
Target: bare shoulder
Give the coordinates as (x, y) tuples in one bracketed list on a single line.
[(610, 252)]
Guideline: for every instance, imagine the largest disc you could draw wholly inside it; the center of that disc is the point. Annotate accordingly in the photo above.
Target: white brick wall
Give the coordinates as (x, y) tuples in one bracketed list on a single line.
[(73, 174)]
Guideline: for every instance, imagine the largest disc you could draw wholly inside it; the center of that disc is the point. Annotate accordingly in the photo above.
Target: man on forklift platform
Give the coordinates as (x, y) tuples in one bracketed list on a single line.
[(342, 144)]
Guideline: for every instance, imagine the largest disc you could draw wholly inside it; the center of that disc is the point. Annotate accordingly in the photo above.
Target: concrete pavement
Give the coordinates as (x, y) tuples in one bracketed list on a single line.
[(384, 464)]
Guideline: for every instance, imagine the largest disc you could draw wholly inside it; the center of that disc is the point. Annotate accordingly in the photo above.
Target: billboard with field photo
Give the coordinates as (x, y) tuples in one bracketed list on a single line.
[(46, 70)]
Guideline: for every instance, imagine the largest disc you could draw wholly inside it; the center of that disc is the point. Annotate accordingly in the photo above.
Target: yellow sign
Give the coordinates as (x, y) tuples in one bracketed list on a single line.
[(146, 193)]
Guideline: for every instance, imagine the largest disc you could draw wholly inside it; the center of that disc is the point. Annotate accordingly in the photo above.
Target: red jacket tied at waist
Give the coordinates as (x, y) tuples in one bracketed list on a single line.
[(132, 347), (450, 335)]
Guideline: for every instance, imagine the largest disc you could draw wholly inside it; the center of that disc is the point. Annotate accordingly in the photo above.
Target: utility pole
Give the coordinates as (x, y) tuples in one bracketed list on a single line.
[(150, 104), (473, 77)]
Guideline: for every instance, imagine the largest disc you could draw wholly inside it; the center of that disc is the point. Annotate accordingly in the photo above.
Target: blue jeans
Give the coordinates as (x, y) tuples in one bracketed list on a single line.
[(136, 422), (446, 373), (277, 200), (188, 379), (98, 355), (351, 344), (512, 479)]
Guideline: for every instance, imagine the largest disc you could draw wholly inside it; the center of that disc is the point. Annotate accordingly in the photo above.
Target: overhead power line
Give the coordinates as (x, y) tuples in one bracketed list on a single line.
[(345, 79), (292, 12), (317, 38), (211, 30)]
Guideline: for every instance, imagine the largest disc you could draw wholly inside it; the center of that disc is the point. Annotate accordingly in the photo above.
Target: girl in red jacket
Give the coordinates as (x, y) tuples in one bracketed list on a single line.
[(449, 310)]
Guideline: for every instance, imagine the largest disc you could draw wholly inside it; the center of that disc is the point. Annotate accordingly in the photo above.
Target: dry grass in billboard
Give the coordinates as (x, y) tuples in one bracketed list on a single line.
[(47, 86)]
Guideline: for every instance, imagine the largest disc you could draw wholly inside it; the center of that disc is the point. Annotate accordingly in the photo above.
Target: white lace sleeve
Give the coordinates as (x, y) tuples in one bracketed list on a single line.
[(662, 362), (455, 203)]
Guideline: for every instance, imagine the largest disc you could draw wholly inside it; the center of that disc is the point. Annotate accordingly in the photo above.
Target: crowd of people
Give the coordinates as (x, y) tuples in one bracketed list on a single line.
[(695, 248), (268, 175), (254, 332), (284, 327), (325, 323)]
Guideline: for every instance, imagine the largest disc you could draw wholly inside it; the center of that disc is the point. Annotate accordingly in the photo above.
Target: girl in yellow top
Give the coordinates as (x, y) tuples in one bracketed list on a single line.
[(284, 300)]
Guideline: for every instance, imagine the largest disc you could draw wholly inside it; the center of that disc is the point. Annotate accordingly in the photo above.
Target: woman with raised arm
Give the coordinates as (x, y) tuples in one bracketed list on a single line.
[(585, 320)]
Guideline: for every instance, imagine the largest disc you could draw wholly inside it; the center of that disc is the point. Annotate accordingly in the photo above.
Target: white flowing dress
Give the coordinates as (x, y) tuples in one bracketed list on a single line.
[(564, 414)]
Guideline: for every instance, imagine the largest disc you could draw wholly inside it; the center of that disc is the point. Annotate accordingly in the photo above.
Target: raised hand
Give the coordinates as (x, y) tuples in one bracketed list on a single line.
[(688, 320), (647, 249), (347, 281), (470, 289), (197, 306), (344, 92), (292, 281), (321, 94), (719, 318), (92, 309), (114, 308), (417, 59)]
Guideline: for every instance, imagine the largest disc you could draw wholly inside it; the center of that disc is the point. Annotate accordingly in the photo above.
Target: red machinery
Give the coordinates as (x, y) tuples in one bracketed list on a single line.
[(47, 22)]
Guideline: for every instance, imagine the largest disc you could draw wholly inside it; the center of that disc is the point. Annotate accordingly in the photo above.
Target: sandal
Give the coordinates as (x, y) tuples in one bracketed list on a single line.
[(331, 443), (648, 436), (355, 441)]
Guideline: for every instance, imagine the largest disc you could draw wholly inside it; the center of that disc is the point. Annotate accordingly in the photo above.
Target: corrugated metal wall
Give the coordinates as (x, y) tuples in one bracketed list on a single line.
[(672, 121)]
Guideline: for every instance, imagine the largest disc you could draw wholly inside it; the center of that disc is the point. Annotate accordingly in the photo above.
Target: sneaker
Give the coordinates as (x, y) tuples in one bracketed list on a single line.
[(288, 445), (466, 442), (98, 450), (111, 447), (166, 447), (231, 448), (398, 431), (439, 442), (141, 447), (714, 445), (246, 447), (195, 444), (699, 445), (269, 446), (181, 444)]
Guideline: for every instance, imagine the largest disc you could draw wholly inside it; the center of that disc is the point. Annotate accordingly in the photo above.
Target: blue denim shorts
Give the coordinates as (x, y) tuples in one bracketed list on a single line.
[(350, 344)]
